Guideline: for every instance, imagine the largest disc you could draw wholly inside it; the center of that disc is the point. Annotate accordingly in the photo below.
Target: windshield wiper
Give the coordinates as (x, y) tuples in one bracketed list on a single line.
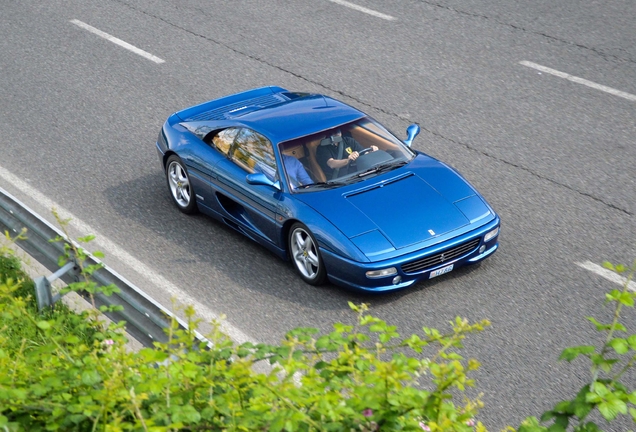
[(388, 166), (321, 184)]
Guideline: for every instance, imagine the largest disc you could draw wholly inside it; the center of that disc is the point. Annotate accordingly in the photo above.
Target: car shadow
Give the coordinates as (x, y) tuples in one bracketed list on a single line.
[(213, 245)]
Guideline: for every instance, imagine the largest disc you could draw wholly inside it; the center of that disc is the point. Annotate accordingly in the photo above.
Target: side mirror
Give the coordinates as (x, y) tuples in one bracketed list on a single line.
[(261, 179), (411, 133)]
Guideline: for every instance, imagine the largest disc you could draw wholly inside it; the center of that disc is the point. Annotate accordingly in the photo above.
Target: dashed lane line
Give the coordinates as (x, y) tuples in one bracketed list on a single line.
[(364, 10), (607, 274), (578, 80), (117, 41)]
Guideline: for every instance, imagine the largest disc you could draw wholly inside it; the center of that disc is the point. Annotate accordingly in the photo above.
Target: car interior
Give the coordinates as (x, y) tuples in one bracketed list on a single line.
[(304, 149)]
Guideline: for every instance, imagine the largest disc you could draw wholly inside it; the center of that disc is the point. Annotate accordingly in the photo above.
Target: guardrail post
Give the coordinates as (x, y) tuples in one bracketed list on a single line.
[(43, 294), (145, 318)]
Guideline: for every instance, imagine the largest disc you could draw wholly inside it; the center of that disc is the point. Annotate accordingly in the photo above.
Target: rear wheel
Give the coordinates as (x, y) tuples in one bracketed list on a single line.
[(180, 185), (305, 255)]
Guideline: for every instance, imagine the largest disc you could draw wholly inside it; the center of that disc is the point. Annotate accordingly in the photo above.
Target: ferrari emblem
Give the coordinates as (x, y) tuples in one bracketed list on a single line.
[(348, 150)]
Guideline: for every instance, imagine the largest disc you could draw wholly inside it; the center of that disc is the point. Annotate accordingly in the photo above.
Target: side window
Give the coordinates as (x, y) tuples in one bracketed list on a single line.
[(254, 153), (224, 139)]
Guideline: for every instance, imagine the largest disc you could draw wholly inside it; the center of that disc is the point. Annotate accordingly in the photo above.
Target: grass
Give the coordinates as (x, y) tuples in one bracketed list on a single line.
[(17, 331)]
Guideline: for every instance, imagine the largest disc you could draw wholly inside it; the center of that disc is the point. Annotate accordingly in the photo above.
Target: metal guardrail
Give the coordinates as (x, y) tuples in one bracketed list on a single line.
[(145, 318)]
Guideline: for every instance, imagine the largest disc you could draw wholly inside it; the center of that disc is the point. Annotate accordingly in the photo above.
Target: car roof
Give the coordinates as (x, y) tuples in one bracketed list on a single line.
[(283, 117)]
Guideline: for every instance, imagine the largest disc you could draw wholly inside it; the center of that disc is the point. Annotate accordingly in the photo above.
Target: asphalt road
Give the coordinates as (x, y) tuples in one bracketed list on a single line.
[(79, 115)]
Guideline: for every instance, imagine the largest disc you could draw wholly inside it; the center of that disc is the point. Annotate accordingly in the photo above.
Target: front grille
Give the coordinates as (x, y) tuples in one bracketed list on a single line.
[(434, 260), (222, 112)]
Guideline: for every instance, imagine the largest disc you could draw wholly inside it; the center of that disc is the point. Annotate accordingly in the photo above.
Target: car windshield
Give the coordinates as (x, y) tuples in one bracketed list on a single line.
[(345, 154)]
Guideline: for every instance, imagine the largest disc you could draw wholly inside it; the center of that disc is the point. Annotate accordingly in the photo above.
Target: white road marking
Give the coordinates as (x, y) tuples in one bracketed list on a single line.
[(578, 80), (363, 9), (117, 41), (607, 274), (110, 248)]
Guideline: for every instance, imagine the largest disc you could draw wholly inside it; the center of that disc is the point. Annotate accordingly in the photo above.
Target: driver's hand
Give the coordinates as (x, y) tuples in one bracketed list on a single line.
[(374, 148), (353, 156)]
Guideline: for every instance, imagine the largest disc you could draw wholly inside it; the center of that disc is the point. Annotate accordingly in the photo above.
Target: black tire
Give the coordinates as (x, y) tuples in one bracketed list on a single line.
[(305, 255), (180, 186)]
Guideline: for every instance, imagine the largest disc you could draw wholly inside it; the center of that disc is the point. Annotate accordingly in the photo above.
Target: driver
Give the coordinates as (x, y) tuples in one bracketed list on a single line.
[(336, 161)]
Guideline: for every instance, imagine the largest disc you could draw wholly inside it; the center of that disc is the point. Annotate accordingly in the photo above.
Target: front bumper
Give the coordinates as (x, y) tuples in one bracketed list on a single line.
[(351, 274)]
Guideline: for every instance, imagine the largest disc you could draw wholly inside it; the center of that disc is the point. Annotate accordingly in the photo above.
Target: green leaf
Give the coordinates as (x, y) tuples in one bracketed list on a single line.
[(620, 327), (548, 415), (556, 428), (599, 326), (600, 389), (632, 341), (610, 409), (624, 297), (608, 265), (109, 290), (607, 411), (607, 365), (620, 345), (185, 414), (376, 328), (72, 339), (321, 365), (589, 427), (278, 424), (580, 407), (531, 424), (385, 337), (90, 378), (44, 325), (627, 298), (77, 418), (563, 407), (561, 421), (571, 353)]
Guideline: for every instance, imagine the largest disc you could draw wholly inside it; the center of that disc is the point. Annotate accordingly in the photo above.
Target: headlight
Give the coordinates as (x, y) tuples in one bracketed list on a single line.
[(492, 234), (374, 274)]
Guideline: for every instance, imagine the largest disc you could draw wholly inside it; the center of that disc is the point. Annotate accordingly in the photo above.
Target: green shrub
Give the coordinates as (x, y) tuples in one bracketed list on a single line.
[(362, 376), (16, 327), (358, 377)]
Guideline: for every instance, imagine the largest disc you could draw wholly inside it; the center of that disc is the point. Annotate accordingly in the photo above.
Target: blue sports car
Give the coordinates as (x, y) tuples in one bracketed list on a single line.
[(324, 185)]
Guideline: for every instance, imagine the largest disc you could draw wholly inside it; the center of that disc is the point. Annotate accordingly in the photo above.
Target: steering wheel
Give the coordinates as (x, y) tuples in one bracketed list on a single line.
[(360, 154)]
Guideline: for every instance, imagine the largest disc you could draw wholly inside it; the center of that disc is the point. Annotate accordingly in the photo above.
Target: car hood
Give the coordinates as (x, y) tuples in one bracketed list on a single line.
[(422, 201)]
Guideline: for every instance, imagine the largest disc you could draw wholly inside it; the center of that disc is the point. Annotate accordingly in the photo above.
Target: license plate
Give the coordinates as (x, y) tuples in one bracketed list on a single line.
[(441, 271)]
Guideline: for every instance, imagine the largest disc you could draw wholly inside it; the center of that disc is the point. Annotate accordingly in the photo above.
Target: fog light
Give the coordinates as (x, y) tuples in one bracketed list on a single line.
[(482, 248), (491, 234), (397, 280), (374, 274)]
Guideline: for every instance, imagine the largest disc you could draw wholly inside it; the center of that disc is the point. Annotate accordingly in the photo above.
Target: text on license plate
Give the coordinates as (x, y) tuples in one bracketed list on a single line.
[(441, 271)]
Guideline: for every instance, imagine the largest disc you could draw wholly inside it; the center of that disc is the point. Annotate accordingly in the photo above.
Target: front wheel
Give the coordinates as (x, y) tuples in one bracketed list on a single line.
[(180, 185), (305, 255)]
